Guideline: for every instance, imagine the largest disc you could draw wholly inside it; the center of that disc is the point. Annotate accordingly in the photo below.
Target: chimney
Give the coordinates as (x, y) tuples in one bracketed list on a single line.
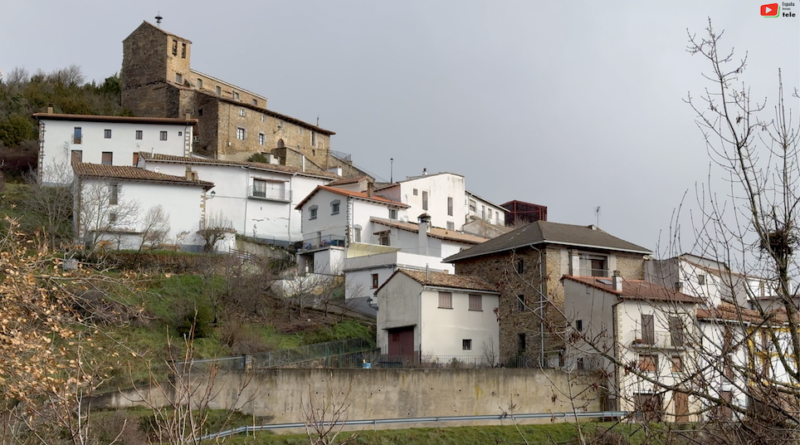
[(370, 189), (304, 162), (188, 173), (574, 263), (616, 280), (424, 228), (49, 108), (424, 172), (188, 116)]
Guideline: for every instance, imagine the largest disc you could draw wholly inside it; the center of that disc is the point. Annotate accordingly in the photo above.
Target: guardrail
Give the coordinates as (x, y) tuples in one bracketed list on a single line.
[(376, 422), (324, 241)]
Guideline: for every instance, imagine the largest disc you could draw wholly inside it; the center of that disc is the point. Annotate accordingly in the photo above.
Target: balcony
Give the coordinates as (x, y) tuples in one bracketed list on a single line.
[(270, 194), (322, 242), (589, 272), (659, 340)]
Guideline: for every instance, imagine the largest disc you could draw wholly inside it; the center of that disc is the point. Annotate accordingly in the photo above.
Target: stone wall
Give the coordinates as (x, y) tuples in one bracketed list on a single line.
[(280, 395), (143, 59)]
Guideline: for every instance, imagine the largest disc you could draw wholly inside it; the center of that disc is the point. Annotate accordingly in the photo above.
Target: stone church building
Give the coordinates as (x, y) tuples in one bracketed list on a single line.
[(233, 123)]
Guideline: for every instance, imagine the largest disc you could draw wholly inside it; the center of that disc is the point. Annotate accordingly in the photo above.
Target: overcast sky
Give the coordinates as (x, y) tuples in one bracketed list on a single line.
[(571, 105)]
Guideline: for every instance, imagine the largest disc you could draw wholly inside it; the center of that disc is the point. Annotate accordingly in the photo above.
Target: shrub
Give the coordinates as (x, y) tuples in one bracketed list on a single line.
[(195, 321), (258, 157)]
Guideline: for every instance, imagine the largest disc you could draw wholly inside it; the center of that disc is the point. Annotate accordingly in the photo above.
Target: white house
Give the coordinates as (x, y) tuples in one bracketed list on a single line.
[(118, 206), (332, 218), (640, 323), (254, 199), (106, 140), (485, 210), (438, 316)]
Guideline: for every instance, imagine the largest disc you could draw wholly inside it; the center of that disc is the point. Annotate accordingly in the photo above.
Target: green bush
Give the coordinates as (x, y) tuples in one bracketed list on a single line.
[(196, 321), (258, 157)]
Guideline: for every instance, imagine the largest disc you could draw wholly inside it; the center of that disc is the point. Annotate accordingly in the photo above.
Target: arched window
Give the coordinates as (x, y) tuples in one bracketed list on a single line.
[(280, 143)]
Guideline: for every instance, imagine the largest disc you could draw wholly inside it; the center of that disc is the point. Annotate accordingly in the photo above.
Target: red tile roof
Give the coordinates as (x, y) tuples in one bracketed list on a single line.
[(86, 170), (436, 232), (359, 195), (117, 119), (256, 165), (441, 279), (729, 312), (345, 181), (636, 290)]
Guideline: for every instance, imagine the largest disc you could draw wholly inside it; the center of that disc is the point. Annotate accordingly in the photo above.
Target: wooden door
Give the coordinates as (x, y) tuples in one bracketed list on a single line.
[(648, 329), (681, 401), (401, 341)]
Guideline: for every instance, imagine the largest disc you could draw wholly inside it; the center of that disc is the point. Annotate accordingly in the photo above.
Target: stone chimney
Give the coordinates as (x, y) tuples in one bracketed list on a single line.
[(190, 175), (188, 116), (49, 108), (424, 229), (424, 172), (370, 189), (616, 280)]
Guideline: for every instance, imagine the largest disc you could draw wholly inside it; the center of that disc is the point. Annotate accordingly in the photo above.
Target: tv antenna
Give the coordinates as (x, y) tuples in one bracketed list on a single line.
[(159, 18), (597, 215)]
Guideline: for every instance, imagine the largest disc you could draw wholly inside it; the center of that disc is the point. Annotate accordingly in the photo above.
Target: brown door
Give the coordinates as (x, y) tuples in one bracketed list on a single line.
[(676, 331), (681, 400), (77, 156), (648, 330), (401, 341)]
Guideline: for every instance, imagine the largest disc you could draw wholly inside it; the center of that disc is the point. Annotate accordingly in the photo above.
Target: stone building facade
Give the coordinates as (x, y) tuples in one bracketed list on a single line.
[(233, 123), (527, 271)]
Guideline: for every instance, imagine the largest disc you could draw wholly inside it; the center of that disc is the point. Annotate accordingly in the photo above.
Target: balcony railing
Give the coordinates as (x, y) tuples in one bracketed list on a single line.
[(321, 242), (271, 195), (587, 272), (659, 340)]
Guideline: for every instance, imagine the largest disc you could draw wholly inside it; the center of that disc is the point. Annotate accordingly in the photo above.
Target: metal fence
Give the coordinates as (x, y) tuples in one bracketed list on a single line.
[(374, 359), (283, 357), (323, 241)]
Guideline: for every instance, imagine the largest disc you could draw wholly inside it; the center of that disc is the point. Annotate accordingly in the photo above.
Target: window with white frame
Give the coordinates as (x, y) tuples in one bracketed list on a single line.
[(179, 78), (335, 206), (240, 134), (261, 138), (260, 188), (312, 212), (473, 206), (241, 112)]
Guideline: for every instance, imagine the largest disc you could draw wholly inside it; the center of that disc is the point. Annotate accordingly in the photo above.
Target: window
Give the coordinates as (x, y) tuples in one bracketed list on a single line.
[(261, 138), (77, 156), (483, 212), (701, 279), (218, 90), (260, 188), (520, 265), (200, 83), (180, 133), (725, 407), (648, 362), (416, 192), (445, 300), (174, 47), (263, 118), (466, 344), (490, 215), (472, 206), (107, 133), (240, 134), (521, 346), (76, 136), (139, 135), (200, 112), (374, 281), (112, 218), (241, 112), (677, 364), (183, 50), (135, 159), (113, 194), (312, 212), (451, 225), (179, 78), (475, 302), (520, 303), (449, 206), (676, 331), (648, 329), (384, 239), (392, 213), (335, 207), (255, 102), (424, 200), (163, 136), (593, 266), (580, 364), (108, 158), (579, 325), (357, 234), (313, 138), (235, 95)]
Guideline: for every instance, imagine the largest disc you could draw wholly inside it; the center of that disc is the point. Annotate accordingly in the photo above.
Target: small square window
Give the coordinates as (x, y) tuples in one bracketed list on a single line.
[(139, 135), (108, 158), (445, 300), (255, 102), (235, 95), (180, 133), (107, 133), (451, 225), (374, 281), (416, 192), (701, 279), (163, 136), (466, 344), (475, 303), (218, 90), (77, 156), (179, 78), (392, 213), (648, 363), (112, 218), (384, 239), (312, 212)]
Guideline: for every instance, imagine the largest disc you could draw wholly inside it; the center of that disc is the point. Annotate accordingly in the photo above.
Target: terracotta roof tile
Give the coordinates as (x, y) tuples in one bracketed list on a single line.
[(436, 232), (729, 312), (441, 279), (118, 119), (345, 181), (636, 290), (86, 170), (359, 195), (255, 165)]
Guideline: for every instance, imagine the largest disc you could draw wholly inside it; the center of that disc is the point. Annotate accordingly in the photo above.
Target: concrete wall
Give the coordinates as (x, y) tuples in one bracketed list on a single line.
[(439, 187), (280, 395), (443, 330)]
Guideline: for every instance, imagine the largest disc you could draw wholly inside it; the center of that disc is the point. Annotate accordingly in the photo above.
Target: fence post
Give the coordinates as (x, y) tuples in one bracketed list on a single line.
[(247, 359)]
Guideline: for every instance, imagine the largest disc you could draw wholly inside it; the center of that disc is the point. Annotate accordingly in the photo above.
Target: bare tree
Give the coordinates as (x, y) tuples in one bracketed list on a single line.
[(155, 227), (104, 212), (49, 207), (215, 229), (326, 415)]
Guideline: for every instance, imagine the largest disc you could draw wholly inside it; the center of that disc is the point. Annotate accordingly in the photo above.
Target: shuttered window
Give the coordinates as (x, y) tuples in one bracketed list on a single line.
[(445, 300), (475, 303)]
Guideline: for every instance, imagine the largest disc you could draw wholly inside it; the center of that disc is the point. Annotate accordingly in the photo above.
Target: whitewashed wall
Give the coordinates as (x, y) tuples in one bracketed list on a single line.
[(439, 188), (358, 271), (444, 329), (58, 143), (482, 208)]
